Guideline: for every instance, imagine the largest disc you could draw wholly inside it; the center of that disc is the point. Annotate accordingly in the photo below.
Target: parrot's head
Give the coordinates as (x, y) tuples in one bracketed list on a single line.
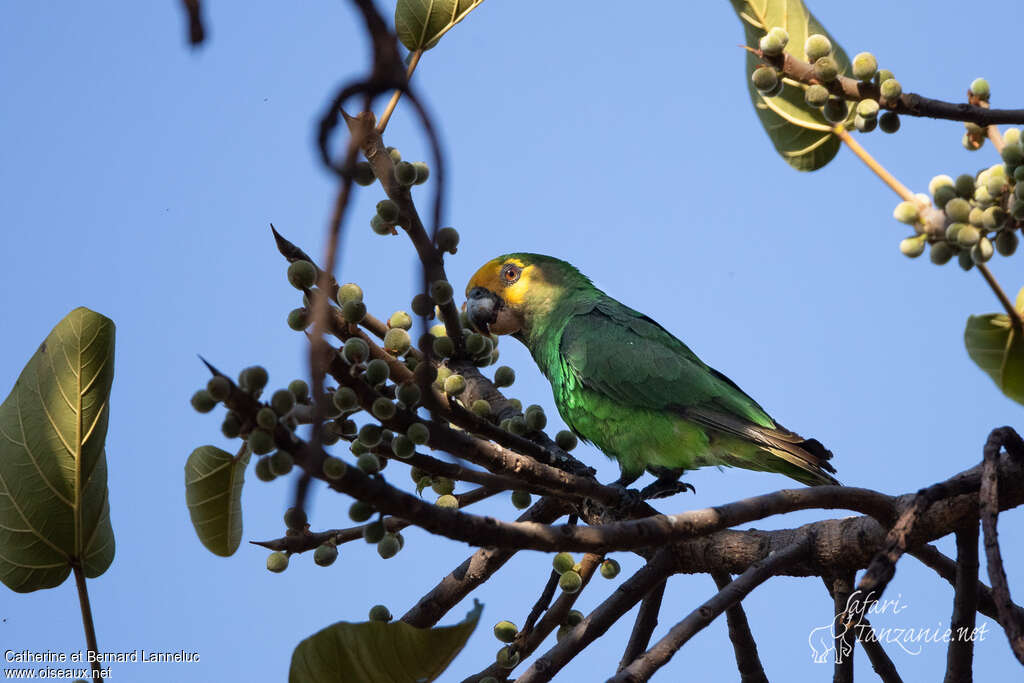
[(510, 292)]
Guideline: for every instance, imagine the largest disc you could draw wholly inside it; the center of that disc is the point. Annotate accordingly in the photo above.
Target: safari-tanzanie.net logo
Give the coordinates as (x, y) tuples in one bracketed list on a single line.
[(829, 647)]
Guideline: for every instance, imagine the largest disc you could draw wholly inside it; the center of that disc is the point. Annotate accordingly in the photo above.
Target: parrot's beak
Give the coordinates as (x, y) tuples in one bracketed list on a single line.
[(482, 308)]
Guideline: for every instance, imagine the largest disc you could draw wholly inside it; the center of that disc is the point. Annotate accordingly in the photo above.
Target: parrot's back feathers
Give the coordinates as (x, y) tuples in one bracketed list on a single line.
[(618, 353)]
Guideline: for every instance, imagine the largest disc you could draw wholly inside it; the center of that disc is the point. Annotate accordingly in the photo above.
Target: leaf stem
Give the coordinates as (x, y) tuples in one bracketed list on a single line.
[(386, 115), (1015, 317), (888, 178), (90, 629)]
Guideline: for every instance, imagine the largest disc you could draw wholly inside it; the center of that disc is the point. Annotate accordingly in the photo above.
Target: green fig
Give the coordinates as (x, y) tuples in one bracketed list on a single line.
[(302, 274), (277, 562), (505, 631), (334, 468), (570, 582), (563, 562), (203, 401), (380, 613), (349, 292), (325, 554), (521, 500), (817, 46), (864, 66)]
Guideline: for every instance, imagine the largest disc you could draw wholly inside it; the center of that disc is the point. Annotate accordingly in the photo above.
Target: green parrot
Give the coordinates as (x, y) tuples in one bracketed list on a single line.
[(624, 383)]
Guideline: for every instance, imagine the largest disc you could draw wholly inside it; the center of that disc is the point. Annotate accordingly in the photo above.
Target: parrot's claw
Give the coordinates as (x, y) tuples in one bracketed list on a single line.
[(629, 497), (663, 489)]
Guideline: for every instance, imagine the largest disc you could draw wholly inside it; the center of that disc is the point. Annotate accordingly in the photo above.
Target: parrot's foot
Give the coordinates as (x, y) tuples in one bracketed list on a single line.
[(663, 488), (629, 497)]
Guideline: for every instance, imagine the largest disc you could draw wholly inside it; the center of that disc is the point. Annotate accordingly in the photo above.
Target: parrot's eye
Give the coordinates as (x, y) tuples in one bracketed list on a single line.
[(510, 273)]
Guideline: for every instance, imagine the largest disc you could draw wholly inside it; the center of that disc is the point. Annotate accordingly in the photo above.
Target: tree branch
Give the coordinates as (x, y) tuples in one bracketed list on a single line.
[(743, 644), (597, 622), (646, 664), (1003, 437), (909, 104), (960, 653), (476, 569)]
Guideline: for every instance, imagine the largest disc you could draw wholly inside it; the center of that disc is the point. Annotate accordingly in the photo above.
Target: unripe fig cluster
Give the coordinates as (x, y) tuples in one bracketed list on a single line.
[(971, 217), (825, 92)]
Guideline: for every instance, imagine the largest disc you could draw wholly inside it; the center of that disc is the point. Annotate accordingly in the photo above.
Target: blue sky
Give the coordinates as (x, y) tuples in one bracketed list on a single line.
[(139, 177)]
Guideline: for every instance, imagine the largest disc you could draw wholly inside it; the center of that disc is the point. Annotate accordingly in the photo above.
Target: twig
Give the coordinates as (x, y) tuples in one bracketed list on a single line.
[(87, 623), (743, 644), (476, 569), (960, 653), (196, 32), (644, 666), (888, 178), (542, 604), (597, 622), (989, 504), (910, 104), (382, 123), (1015, 317), (309, 540), (643, 627), (877, 655), (527, 642)]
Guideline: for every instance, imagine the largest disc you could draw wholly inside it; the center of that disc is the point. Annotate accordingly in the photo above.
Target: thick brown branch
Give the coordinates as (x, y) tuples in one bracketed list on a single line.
[(646, 664)]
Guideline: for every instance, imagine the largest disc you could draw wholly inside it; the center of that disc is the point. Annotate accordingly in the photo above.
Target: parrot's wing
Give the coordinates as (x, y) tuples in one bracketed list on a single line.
[(630, 358), (626, 356)]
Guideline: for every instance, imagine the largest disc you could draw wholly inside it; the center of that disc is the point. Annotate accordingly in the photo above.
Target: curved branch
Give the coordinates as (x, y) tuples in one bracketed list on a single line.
[(597, 622), (989, 501), (960, 653), (646, 664), (743, 644), (646, 622)]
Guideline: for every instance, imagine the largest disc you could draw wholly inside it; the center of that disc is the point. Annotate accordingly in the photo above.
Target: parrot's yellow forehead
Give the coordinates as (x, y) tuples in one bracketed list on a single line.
[(509, 277)]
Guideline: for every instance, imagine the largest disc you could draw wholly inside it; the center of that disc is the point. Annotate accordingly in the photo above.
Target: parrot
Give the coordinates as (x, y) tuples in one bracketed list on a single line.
[(624, 383)]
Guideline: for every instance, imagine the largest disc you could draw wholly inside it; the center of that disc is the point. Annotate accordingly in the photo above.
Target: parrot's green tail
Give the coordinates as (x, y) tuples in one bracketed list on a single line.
[(805, 460), (805, 465)]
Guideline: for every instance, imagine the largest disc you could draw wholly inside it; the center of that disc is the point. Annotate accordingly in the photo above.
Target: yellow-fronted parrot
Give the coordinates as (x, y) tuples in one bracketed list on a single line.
[(623, 382)]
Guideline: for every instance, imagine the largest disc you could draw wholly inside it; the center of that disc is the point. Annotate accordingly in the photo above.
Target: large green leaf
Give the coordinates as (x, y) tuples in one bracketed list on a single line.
[(53, 470), (421, 23), (998, 349), (213, 492), (383, 653), (800, 133)]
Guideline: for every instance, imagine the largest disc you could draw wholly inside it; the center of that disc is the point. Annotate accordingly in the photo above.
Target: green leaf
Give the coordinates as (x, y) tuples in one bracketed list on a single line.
[(213, 492), (800, 133), (54, 510), (383, 653), (421, 23), (998, 349)]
